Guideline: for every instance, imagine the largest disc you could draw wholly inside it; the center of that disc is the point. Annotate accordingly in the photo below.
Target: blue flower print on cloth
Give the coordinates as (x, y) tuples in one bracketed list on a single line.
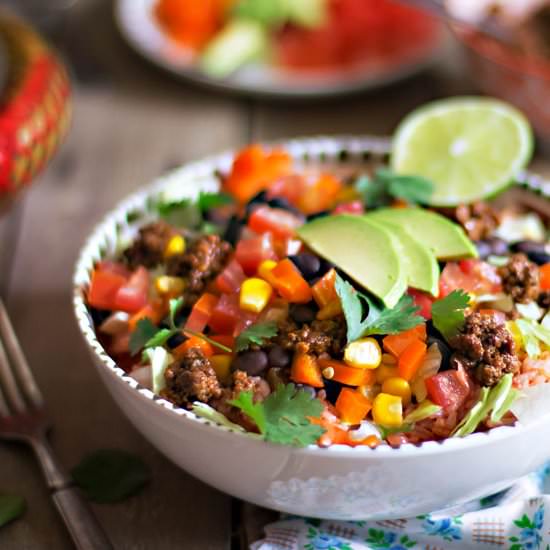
[(516, 519)]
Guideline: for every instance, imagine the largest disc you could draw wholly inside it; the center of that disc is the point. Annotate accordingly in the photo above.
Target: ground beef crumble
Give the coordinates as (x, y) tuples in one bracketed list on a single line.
[(478, 219), (520, 278), (199, 264), (148, 248), (191, 378), (319, 337), (485, 348)]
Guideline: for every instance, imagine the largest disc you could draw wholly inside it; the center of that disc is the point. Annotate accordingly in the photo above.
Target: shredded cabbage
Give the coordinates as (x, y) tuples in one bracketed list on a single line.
[(423, 411)]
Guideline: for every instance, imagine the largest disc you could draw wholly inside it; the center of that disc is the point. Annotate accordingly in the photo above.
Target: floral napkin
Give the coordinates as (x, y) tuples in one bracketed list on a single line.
[(516, 519)]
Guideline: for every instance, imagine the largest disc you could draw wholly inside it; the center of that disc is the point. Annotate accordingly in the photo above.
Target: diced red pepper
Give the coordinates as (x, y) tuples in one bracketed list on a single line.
[(225, 315), (153, 311), (201, 312), (231, 278), (194, 342), (398, 343), (113, 267), (279, 222), (352, 207), (134, 295), (289, 187), (320, 195), (422, 300), (544, 271), (324, 291), (290, 284), (250, 253), (306, 370), (449, 388), (104, 287)]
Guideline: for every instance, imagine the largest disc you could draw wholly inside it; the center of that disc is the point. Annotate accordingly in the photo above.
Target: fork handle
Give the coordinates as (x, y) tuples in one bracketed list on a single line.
[(82, 524)]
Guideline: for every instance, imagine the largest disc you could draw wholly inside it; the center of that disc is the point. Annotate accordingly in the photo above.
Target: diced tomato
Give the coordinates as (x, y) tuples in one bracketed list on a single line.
[(250, 253), (473, 276), (320, 195), (281, 223), (104, 288), (423, 300), (544, 271), (133, 295), (289, 187), (113, 267), (352, 207), (449, 388), (120, 344), (225, 315), (231, 278), (201, 312), (223, 339), (246, 319)]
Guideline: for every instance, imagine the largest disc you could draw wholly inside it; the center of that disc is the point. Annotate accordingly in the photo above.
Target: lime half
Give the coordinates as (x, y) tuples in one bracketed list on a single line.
[(469, 147)]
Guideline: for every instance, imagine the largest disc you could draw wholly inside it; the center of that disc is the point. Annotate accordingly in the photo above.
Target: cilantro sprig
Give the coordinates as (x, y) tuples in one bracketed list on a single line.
[(379, 319), (147, 335), (387, 185), (448, 313), (255, 334), (284, 416)]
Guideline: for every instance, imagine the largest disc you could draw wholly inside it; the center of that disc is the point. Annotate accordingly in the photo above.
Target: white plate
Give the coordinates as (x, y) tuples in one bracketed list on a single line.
[(138, 26)]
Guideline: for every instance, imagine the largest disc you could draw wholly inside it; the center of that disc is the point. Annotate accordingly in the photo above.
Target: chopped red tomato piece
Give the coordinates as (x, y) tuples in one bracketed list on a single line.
[(473, 276), (250, 253), (449, 389), (352, 207), (281, 223), (201, 312), (104, 288), (133, 295), (289, 187), (422, 300), (113, 267), (231, 278), (320, 195), (225, 315)]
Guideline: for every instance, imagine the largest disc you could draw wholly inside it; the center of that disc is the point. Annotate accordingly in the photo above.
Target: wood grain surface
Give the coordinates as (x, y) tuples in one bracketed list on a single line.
[(131, 123)]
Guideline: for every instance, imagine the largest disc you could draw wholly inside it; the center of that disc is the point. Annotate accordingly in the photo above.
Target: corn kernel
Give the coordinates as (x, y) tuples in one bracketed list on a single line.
[(222, 366), (255, 294), (332, 309), (387, 410), (169, 286), (398, 386), (265, 269), (383, 372), (363, 354), (176, 245)]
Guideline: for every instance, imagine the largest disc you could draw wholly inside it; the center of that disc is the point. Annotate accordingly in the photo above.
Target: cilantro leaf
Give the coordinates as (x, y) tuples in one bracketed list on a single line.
[(144, 332), (255, 411), (379, 320), (174, 305), (255, 334), (283, 417), (385, 185), (207, 200), (11, 507), (448, 313), (160, 338)]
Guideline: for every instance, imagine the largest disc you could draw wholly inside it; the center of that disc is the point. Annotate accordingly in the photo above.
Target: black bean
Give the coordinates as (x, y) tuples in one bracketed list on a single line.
[(321, 214), (536, 251), (493, 246), (308, 264), (308, 389), (278, 357), (99, 315), (302, 313), (251, 362), (276, 376), (233, 230), (175, 340)]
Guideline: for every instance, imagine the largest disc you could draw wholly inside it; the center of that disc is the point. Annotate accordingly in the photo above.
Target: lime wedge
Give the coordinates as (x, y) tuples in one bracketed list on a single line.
[(469, 147)]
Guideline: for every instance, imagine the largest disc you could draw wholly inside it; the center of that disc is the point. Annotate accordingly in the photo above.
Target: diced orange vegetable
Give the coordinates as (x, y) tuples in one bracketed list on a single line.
[(352, 406), (103, 289), (331, 310), (289, 282), (544, 271), (335, 433), (348, 375), (306, 370), (201, 312), (410, 359), (397, 343), (154, 312), (194, 342), (254, 169), (321, 195), (324, 290)]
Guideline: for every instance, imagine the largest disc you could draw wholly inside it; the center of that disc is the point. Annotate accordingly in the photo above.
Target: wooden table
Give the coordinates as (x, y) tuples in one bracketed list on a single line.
[(132, 122)]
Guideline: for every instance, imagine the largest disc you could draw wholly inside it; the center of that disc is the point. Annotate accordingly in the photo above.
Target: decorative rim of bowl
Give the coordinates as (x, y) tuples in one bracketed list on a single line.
[(139, 205)]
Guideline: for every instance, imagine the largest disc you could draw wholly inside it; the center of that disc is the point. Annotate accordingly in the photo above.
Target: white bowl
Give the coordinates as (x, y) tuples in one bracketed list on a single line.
[(339, 482)]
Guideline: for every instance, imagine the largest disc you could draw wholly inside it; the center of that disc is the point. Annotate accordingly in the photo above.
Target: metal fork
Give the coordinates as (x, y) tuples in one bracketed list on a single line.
[(23, 418)]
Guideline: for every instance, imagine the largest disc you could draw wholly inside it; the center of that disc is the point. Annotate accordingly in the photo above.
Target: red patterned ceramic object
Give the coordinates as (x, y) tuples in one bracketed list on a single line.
[(34, 107)]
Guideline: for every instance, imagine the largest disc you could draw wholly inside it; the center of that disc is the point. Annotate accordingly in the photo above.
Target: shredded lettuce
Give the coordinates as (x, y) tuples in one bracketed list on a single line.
[(532, 334), (159, 359), (206, 411), (531, 311), (496, 400), (423, 411)]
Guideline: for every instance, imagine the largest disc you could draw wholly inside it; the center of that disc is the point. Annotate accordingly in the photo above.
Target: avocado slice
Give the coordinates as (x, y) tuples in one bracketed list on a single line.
[(419, 261), (444, 238), (365, 251)]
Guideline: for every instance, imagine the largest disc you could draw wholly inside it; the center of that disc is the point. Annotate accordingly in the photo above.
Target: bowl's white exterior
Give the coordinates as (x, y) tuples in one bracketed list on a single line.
[(339, 482)]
